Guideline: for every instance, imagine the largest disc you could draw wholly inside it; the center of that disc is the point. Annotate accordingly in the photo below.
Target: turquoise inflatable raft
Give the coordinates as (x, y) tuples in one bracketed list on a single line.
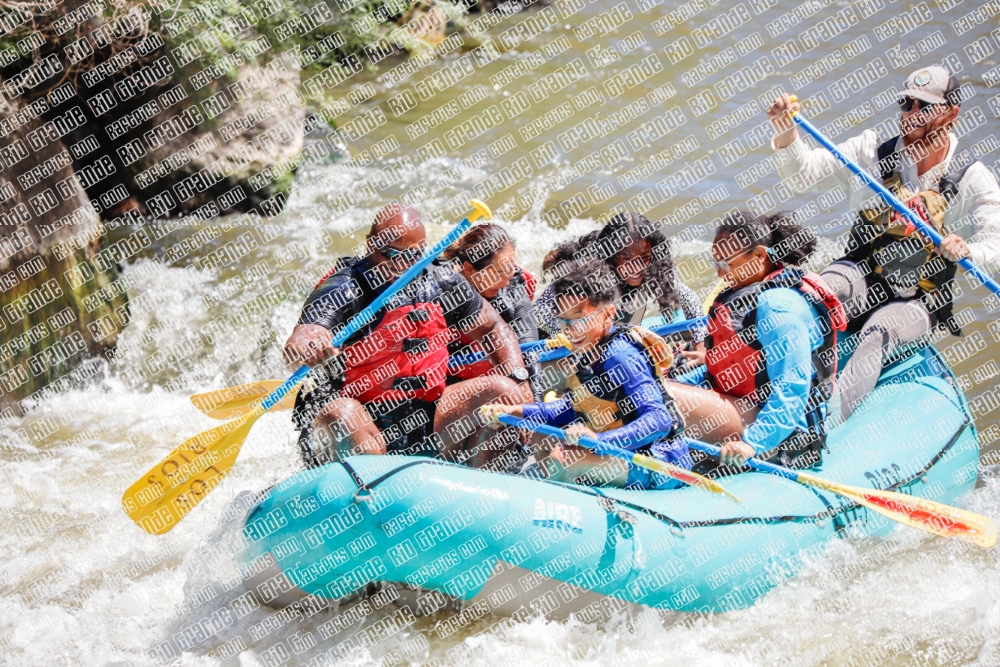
[(488, 543)]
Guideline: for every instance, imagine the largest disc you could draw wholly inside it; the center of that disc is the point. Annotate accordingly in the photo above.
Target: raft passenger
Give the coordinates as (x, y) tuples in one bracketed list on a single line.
[(485, 256), (895, 285), (639, 254), (616, 395), (379, 392), (769, 363)]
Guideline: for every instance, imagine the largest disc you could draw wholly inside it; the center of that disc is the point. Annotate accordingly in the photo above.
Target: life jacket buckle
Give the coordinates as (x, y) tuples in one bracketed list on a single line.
[(416, 346), (410, 383), (418, 315)]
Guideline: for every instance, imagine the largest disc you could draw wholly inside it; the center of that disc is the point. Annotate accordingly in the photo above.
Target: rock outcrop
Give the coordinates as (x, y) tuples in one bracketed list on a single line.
[(240, 145), (62, 298)]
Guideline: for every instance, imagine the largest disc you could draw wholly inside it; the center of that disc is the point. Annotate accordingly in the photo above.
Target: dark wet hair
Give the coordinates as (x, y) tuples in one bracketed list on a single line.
[(620, 232), (479, 245), (789, 242), (591, 279)]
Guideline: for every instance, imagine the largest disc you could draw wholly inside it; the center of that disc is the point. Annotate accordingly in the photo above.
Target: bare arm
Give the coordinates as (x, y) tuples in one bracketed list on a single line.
[(499, 342)]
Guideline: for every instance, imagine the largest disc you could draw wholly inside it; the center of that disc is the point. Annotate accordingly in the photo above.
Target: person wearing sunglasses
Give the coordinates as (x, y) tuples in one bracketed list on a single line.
[(486, 257), (379, 393), (897, 287), (616, 394), (769, 363)]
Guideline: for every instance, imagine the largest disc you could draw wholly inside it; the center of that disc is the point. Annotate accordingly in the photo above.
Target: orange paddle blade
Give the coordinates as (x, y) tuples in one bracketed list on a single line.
[(681, 475), (926, 515)]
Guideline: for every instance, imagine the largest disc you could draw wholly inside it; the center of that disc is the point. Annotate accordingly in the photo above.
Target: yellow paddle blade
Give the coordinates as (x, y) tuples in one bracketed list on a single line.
[(239, 400), (557, 341), (926, 515), (172, 488), (716, 291), (681, 475)]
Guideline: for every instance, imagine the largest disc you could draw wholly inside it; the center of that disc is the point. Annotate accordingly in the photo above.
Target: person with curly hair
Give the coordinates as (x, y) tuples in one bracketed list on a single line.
[(638, 254)]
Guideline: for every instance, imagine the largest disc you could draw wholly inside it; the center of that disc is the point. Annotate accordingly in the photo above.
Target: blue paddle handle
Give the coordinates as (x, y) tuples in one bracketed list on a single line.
[(275, 396), (559, 353), (756, 464), (368, 313), (602, 448), (460, 360), (893, 201)]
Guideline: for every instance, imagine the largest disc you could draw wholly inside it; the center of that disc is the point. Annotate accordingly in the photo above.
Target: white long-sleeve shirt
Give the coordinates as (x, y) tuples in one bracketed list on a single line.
[(974, 213)]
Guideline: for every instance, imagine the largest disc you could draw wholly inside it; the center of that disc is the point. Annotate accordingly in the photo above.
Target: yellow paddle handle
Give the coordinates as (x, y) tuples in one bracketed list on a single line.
[(557, 341), (479, 210)]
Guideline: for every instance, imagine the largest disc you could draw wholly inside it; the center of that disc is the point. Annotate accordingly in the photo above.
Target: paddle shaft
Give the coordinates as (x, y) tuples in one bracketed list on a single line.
[(893, 201), (756, 464), (662, 330), (602, 448), (551, 355), (369, 312)]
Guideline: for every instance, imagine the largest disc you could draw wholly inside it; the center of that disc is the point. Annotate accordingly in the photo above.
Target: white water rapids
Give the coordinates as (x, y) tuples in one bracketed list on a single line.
[(80, 584)]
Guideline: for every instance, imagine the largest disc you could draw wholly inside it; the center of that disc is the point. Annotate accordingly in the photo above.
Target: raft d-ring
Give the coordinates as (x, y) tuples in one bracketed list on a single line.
[(923, 479), (676, 531), (363, 495)]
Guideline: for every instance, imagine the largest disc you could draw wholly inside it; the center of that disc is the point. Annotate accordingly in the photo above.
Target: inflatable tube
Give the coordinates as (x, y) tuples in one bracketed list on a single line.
[(491, 543)]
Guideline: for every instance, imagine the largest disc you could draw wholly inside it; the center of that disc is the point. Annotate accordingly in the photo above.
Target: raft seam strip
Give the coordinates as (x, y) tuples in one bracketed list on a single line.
[(831, 513)]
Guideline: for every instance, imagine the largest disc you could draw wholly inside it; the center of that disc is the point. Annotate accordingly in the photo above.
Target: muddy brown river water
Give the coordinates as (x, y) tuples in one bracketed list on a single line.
[(577, 110)]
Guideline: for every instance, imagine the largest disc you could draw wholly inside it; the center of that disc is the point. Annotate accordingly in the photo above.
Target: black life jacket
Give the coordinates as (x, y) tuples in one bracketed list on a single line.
[(735, 358), (903, 263)]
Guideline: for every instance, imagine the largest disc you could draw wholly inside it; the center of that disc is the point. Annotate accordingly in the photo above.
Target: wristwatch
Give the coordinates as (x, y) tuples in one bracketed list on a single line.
[(519, 375)]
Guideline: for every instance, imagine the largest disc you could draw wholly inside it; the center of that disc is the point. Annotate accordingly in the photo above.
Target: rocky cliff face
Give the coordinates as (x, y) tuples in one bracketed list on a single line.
[(236, 147), (59, 288), (216, 142)]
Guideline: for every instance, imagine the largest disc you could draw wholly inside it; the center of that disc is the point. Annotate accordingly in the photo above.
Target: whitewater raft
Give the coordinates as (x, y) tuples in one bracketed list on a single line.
[(491, 543)]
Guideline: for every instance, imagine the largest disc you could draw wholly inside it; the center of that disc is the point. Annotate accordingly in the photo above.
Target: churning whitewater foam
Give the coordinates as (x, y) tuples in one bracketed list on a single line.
[(82, 585)]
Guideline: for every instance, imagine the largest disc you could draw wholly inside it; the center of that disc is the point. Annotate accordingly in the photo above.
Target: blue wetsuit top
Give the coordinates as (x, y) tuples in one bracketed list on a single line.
[(785, 320), (623, 375)]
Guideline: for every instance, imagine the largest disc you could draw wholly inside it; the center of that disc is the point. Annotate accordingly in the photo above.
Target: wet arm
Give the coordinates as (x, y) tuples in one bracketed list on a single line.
[(497, 339)]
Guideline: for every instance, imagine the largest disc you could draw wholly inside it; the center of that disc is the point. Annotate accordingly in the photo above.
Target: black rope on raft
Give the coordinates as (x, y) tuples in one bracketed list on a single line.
[(830, 513)]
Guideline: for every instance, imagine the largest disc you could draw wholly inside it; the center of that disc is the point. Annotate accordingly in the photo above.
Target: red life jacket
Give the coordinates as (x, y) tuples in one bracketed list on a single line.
[(405, 356), (735, 359), (529, 282)]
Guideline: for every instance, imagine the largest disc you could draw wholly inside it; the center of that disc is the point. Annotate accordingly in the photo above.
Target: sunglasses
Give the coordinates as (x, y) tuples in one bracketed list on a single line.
[(906, 105), (723, 264), (407, 255), (580, 323)]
